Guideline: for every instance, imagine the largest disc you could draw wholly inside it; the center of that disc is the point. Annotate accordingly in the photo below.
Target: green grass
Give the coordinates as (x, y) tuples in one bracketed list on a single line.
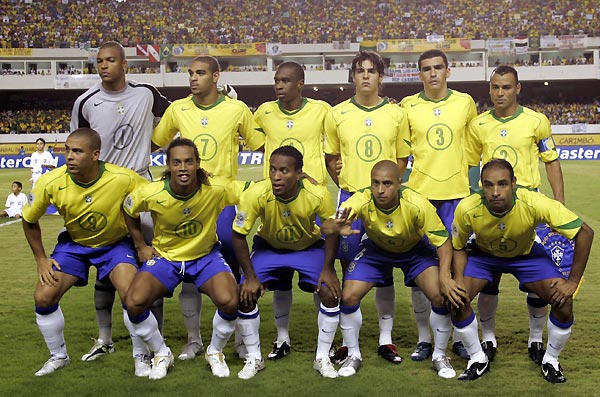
[(512, 372)]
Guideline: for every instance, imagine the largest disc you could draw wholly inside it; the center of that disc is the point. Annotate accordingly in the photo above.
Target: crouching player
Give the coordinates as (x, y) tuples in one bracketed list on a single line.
[(396, 219), (287, 240), (503, 219), (184, 208), (88, 194)]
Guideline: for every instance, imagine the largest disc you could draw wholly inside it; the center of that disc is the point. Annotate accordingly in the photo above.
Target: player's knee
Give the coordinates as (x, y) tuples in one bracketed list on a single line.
[(350, 297), (45, 297), (136, 302), (227, 301), (327, 298)]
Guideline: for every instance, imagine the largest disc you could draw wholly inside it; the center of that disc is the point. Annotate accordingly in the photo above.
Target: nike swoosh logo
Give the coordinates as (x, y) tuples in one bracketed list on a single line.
[(345, 111), (482, 123), (129, 256), (98, 103), (268, 201), (477, 216), (481, 371), (412, 105), (267, 112), (184, 109), (542, 316), (160, 202), (326, 332), (62, 187), (283, 315)]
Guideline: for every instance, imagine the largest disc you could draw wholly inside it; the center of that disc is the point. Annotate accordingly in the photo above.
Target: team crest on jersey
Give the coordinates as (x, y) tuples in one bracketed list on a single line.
[(286, 213), (502, 226), (289, 124), (389, 224), (368, 122), (437, 112), (503, 133), (88, 199), (187, 211), (240, 219), (128, 202), (120, 109), (204, 121)]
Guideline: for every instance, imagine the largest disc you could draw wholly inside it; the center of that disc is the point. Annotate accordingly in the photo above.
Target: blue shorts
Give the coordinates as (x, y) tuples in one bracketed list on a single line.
[(75, 259), (374, 265), (445, 210), (350, 245), (529, 268), (198, 271), (559, 248), (275, 268)]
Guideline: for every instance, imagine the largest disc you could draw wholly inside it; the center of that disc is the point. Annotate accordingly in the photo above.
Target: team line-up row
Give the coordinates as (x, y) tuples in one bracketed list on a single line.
[(367, 142)]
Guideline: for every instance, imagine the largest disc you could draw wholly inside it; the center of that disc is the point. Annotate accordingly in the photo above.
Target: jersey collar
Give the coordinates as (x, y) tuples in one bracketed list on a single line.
[(507, 119), (101, 166), (501, 214), (175, 195), (394, 208), (285, 201), (219, 100), (369, 109), (423, 97), (292, 112)]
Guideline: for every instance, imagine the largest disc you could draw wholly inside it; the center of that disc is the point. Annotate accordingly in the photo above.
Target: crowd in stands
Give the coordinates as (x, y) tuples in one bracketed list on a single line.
[(56, 119), (76, 23)]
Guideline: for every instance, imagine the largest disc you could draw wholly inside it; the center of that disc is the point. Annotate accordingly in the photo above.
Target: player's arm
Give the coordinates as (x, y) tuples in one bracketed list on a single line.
[(459, 262), (453, 293), (403, 164), (144, 251), (328, 275), (33, 234), (331, 161), (555, 178), (251, 289), (561, 289)]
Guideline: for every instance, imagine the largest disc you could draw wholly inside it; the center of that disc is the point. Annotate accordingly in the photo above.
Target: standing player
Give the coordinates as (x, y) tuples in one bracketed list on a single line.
[(361, 131), (88, 194), (122, 112), (214, 123), (295, 121), (503, 218), (39, 159), (438, 118), (184, 207), (522, 137), (287, 240), (395, 219)]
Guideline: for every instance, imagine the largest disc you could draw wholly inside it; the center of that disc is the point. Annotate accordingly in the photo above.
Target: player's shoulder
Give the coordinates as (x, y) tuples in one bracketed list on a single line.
[(119, 170), (318, 103), (89, 93), (234, 102), (176, 104), (55, 176), (460, 95), (473, 200), (266, 108), (533, 113), (342, 106), (482, 118), (316, 190), (411, 99)]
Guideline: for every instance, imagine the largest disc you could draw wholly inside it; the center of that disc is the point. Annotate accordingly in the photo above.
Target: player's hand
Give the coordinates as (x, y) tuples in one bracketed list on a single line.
[(338, 166), (454, 293), (561, 290), (146, 253), (47, 273), (331, 281), (309, 178), (393, 101), (250, 291)]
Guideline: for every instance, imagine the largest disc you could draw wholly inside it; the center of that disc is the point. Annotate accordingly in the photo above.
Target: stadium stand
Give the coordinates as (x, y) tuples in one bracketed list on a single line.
[(78, 23)]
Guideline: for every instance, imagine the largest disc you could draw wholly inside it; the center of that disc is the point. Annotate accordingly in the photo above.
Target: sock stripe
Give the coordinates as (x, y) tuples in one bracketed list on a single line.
[(349, 309), (330, 311), (46, 310), (559, 323), (140, 318), (442, 311), (227, 317), (246, 316), (464, 323)]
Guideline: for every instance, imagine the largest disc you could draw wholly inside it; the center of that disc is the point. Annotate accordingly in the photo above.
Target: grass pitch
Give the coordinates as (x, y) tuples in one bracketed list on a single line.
[(512, 372)]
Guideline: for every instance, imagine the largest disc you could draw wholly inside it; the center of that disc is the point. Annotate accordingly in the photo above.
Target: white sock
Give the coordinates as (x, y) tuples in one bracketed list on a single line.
[(139, 346), (385, 300), (104, 298), (422, 309), (557, 339), (52, 326), (190, 300), (248, 324), (350, 324), (469, 335), (148, 331), (441, 326), (327, 321), (537, 318), (282, 306), (486, 307), (157, 309), (223, 327)]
